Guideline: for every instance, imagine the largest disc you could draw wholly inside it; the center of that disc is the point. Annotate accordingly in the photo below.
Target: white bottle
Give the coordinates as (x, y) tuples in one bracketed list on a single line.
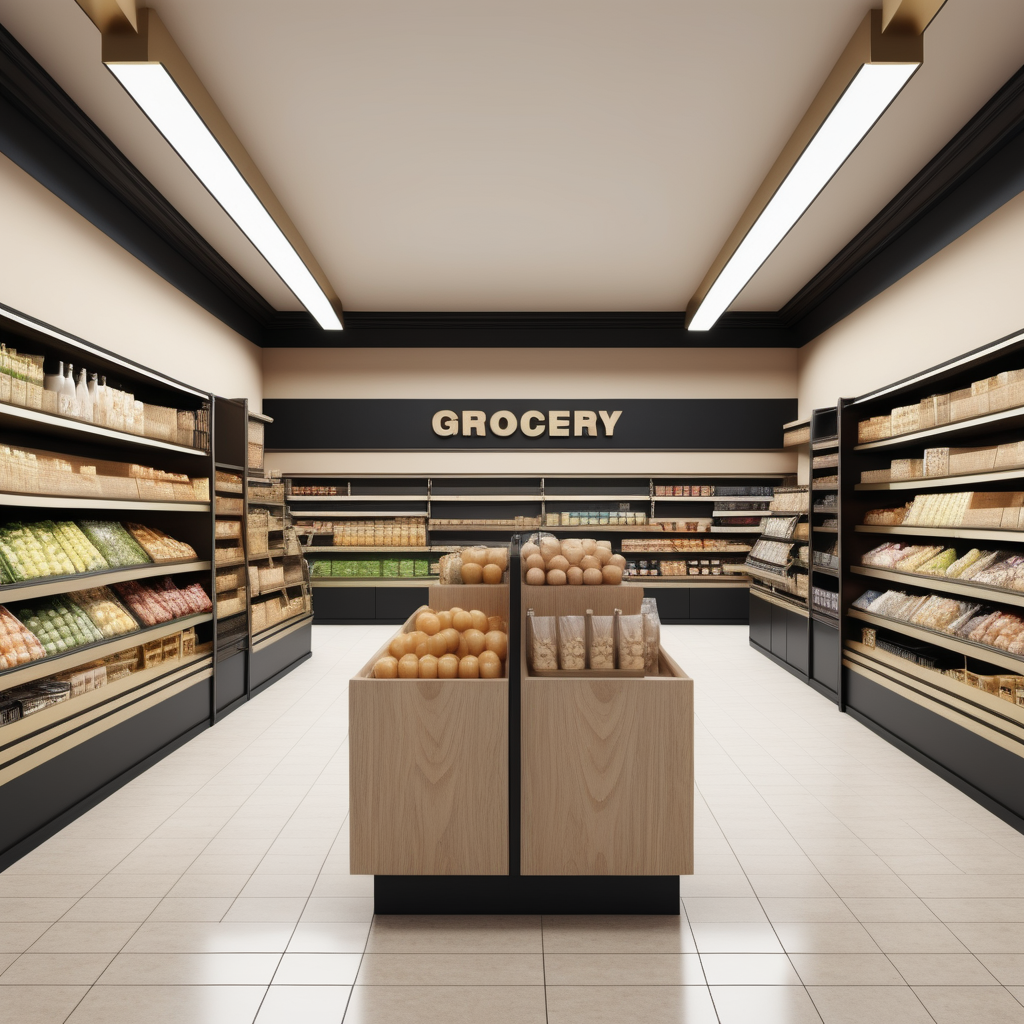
[(82, 394), (54, 381), (94, 388), (68, 404)]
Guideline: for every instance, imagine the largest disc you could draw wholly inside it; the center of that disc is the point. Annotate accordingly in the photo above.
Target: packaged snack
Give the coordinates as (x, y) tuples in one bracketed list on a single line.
[(114, 543), (602, 641), (631, 642), (572, 645), (652, 635), (543, 645)]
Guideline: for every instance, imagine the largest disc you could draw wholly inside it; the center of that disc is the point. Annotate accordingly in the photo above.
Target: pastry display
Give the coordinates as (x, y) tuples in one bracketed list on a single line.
[(548, 561)]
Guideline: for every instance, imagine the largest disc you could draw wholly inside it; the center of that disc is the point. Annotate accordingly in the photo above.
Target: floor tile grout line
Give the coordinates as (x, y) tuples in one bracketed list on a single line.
[(544, 969)]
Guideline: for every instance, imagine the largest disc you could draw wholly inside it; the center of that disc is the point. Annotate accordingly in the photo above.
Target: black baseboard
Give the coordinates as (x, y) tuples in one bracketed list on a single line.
[(526, 894), (51, 828)]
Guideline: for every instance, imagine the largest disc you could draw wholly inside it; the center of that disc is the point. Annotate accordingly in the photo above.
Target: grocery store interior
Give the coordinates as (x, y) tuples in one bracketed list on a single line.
[(513, 512)]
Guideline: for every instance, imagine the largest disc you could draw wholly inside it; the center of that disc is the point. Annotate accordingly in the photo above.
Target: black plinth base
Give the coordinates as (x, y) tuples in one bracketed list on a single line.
[(526, 894)]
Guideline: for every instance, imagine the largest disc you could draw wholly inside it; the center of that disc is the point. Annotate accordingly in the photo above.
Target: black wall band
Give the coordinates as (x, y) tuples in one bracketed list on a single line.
[(667, 424)]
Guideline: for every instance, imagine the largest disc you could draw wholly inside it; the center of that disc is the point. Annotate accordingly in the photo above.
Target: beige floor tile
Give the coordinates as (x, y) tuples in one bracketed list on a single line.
[(894, 910), (56, 884), (864, 1004), (191, 969), (27, 909), (806, 909), (869, 885), (16, 937), (169, 1004), (6, 959), (714, 885), (265, 885), (588, 969), (990, 937), (318, 969), (451, 969), (84, 936), (791, 886), (1006, 968), (112, 908), (845, 969), (757, 864), (313, 937), (748, 969), (623, 933), (967, 1005), (48, 1004), (977, 910), (134, 885), (468, 1004), (340, 910), (455, 934), (777, 1004), (824, 937), (304, 1004), (919, 937), (194, 908), (284, 908), (208, 885), (56, 969), (941, 969), (617, 1004), (732, 938), (724, 909), (209, 937)]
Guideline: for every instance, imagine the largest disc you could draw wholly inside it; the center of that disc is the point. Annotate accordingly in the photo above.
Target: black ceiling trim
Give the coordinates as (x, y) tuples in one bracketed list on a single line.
[(974, 174), (530, 330), (49, 136)]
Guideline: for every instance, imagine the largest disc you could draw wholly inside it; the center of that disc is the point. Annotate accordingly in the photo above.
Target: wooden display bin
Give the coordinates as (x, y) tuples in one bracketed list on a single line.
[(607, 763), (428, 761)]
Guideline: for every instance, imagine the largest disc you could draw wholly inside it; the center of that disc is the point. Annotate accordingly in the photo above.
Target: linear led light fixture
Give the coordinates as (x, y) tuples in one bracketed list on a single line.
[(885, 51), (142, 56)]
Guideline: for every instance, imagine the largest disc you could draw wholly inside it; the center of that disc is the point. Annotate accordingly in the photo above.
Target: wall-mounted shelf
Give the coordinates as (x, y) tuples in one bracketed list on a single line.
[(927, 483), (101, 504), (952, 532), (926, 581), (47, 586)]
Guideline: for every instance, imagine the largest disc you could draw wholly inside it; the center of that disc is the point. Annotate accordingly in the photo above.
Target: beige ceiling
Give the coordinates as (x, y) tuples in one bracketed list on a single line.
[(537, 155)]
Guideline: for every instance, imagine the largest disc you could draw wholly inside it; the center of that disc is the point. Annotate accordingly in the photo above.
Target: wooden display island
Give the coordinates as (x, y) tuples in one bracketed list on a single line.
[(555, 794)]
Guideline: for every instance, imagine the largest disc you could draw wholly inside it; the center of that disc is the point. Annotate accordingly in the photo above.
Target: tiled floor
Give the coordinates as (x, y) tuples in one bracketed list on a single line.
[(836, 881)]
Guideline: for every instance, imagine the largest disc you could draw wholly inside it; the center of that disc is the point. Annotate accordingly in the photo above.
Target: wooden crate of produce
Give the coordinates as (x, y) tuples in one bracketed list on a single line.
[(429, 764)]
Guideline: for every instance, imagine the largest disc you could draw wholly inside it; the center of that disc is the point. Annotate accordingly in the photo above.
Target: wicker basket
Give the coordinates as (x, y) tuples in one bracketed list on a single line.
[(906, 469), (1009, 456), (293, 571), (255, 431), (230, 603), (230, 579), (229, 482), (256, 457), (271, 576), (254, 580), (228, 506), (258, 523), (259, 616), (965, 405)]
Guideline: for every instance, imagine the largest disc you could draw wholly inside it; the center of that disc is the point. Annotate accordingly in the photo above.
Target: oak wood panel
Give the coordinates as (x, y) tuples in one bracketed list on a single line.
[(607, 775), (428, 760), (429, 776)]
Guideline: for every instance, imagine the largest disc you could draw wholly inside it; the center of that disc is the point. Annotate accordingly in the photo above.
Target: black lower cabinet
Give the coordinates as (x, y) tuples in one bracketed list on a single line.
[(230, 680), (825, 655), (271, 661), (727, 605), (780, 633), (700, 605), (797, 641), (760, 622), (333, 605), (673, 603), (985, 771), (396, 604)]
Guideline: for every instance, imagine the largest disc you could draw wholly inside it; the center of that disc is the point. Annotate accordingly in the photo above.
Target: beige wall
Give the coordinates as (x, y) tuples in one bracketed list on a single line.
[(59, 268), (532, 373), (968, 294)]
